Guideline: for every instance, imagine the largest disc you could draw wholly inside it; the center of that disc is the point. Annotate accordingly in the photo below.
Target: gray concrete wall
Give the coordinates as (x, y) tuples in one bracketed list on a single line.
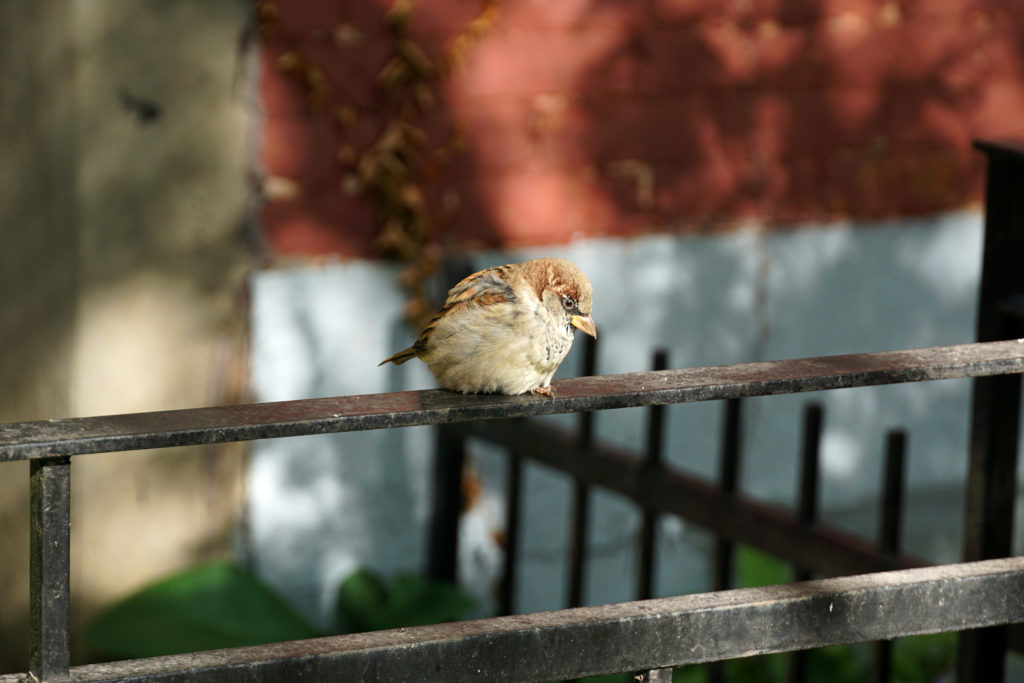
[(123, 199)]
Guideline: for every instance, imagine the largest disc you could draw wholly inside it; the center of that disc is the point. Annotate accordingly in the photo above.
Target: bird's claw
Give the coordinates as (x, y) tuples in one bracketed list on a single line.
[(545, 391)]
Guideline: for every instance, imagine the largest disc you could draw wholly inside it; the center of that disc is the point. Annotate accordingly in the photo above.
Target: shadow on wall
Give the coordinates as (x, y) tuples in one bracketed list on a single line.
[(798, 113), (533, 123), (162, 256), (122, 195)]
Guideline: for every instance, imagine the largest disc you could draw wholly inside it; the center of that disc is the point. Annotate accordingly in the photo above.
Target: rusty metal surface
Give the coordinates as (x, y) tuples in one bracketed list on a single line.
[(632, 636), (49, 568), (73, 436)]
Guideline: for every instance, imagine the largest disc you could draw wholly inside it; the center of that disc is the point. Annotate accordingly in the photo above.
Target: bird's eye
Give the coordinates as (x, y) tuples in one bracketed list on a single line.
[(568, 303)]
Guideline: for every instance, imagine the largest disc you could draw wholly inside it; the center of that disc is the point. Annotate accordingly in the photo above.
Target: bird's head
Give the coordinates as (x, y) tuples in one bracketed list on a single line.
[(567, 290)]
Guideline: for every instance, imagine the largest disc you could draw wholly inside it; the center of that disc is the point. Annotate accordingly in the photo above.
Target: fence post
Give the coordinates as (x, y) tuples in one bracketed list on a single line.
[(49, 568), (513, 503), (580, 520), (995, 409), (728, 485), (443, 549), (889, 528), (652, 466), (807, 510)]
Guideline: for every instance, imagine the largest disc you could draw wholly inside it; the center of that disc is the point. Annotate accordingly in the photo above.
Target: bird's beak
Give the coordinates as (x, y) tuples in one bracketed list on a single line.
[(584, 323)]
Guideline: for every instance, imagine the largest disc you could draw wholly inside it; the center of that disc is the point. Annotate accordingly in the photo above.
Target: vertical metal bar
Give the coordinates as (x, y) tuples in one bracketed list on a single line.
[(652, 463), (807, 508), (654, 676), (991, 490), (578, 538), (581, 493), (728, 484), (995, 410), (512, 506), (889, 529), (891, 523), (443, 548), (49, 568), (807, 505)]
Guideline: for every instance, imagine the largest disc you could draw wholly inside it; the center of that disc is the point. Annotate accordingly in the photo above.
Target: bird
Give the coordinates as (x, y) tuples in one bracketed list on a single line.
[(506, 329)]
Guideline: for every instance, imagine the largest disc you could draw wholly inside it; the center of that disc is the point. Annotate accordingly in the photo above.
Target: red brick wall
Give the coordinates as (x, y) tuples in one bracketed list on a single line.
[(571, 118)]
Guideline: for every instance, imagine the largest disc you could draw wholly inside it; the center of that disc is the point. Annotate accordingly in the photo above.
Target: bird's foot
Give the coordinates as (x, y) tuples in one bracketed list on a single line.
[(545, 391)]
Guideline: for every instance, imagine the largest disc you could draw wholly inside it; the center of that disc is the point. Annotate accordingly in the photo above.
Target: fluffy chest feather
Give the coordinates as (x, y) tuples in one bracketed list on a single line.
[(506, 347)]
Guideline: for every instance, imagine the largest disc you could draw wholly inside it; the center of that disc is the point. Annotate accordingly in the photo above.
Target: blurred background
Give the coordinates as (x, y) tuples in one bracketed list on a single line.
[(208, 203)]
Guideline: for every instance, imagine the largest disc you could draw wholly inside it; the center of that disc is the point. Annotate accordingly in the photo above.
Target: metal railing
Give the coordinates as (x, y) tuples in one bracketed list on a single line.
[(648, 636), (797, 538)]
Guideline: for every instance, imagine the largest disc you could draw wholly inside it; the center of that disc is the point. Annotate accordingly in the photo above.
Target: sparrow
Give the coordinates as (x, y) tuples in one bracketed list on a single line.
[(506, 329)]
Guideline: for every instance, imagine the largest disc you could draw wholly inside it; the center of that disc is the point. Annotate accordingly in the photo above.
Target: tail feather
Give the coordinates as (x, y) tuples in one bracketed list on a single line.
[(400, 357)]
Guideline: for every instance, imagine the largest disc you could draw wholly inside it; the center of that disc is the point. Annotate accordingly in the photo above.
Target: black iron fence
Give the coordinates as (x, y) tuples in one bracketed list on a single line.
[(889, 596)]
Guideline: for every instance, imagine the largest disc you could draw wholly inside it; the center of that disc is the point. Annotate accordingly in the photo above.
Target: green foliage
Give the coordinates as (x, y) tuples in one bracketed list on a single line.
[(755, 568), (202, 608), (922, 659), (219, 605), (367, 603)]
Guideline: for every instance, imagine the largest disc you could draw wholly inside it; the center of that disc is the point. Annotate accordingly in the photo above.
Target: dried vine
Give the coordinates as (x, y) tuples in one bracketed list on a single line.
[(393, 172)]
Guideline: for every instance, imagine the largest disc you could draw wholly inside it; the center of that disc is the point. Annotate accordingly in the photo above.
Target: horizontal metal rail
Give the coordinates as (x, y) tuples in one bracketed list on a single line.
[(631, 636), (75, 436)]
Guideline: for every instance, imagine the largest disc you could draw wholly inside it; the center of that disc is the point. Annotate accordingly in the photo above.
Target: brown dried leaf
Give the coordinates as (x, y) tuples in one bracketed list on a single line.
[(398, 17), (345, 115), (347, 35), (416, 58)]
